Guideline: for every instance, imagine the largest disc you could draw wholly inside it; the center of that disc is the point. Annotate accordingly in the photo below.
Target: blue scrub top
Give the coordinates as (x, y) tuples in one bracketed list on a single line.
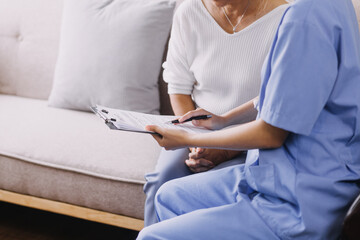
[(311, 88)]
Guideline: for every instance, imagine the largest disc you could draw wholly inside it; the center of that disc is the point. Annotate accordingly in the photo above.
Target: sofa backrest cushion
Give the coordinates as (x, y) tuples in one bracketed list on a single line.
[(29, 39), (29, 45), (111, 54)]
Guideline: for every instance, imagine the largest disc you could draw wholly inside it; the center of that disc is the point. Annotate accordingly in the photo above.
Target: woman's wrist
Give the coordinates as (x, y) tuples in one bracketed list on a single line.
[(224, 120)]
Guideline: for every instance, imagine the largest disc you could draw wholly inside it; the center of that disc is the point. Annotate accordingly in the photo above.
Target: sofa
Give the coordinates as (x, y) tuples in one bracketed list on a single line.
[(63, 160)]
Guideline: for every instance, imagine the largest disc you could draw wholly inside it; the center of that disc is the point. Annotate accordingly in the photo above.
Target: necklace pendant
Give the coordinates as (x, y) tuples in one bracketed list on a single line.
[(242, 16)]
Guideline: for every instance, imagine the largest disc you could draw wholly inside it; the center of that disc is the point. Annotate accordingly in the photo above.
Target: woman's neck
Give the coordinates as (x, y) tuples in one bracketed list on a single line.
[(234, 10)]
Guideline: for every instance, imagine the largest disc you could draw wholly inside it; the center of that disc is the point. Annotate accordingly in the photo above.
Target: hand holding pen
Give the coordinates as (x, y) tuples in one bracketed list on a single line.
[(201, 118)]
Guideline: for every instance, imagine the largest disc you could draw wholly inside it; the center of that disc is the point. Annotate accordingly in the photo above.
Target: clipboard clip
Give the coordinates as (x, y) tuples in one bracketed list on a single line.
[(102, 115)]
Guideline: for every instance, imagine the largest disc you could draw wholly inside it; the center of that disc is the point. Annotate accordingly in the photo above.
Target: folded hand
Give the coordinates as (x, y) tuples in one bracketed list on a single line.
[(201, 159)]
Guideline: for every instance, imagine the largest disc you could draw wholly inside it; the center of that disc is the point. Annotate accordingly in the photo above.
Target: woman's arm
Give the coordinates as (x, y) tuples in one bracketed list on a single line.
[(242, 114), (181, 104)]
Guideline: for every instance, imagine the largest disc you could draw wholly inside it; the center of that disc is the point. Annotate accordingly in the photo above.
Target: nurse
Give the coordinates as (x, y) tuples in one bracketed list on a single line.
[(303, 172)]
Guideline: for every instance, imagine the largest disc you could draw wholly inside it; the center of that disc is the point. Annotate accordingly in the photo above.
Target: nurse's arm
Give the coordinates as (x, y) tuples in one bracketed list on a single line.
[(252, 135)]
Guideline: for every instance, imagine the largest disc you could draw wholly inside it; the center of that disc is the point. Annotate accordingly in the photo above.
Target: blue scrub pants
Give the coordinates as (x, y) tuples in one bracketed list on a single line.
[(211, 205), (171, 165)]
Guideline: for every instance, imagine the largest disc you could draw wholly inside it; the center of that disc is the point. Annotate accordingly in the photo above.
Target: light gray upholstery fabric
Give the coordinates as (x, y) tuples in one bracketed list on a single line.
[(112, 196), (72, 157), (73, 140), (29, 39)]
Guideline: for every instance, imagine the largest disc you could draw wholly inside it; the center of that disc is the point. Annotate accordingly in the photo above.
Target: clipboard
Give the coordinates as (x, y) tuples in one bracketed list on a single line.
[(110, 121), (124, 120)]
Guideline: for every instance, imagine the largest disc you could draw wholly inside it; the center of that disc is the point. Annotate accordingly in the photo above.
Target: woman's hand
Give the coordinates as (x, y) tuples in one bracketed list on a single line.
[(201, 159), (170, 139), (215, 122)]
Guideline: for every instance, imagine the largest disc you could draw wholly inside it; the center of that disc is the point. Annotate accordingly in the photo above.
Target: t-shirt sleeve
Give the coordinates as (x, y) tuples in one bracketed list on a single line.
[(303, 62), (176, 68)]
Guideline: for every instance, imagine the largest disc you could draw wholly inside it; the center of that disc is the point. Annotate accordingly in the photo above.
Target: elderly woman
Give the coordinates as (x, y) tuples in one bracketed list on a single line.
[(216, 51), (303, 171)]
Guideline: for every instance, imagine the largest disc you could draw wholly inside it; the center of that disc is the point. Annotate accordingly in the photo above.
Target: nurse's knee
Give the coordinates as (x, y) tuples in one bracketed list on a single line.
[(166, 194), (147, 233)]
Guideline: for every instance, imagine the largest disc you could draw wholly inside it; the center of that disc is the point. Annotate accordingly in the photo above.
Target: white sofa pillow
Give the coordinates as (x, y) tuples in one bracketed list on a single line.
[(110, 54)]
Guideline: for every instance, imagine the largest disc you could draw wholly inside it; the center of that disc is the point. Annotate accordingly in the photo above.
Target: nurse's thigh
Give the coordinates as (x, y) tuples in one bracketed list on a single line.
[(198, 191), (229, 222), (235, 161)]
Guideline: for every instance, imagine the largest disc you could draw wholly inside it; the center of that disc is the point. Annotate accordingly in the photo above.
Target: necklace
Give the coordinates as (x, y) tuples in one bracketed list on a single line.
[(234, 27)]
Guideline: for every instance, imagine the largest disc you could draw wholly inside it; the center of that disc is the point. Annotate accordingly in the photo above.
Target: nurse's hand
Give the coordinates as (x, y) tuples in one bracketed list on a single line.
[(170, 139), (215, 122)]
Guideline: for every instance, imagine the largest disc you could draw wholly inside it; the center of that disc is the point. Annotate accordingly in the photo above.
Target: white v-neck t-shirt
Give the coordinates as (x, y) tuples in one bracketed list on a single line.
[(219, 70)]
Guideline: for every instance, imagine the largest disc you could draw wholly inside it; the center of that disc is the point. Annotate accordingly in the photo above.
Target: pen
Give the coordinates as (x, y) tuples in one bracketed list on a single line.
[(201, 117)]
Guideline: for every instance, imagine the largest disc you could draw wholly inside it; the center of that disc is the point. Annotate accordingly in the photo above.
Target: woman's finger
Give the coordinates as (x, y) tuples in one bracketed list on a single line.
[(205, 163), (197, 153), (193, 113), (197, 163), (200, 150), (192, 163)]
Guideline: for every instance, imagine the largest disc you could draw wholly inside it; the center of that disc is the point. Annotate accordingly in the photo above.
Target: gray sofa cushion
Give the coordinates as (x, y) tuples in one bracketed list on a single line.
[(67, 142), (112, 196)]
